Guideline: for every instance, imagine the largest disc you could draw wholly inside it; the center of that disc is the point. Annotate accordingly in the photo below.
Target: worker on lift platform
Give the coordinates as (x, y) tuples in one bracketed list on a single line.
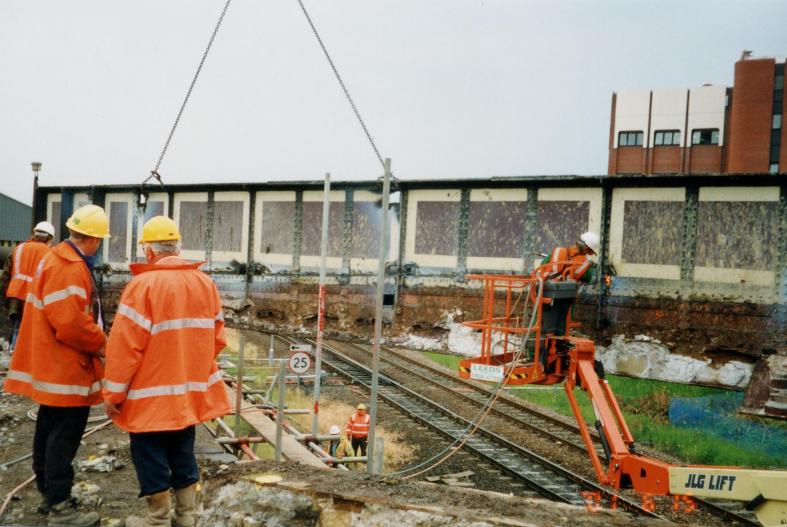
[(572, 263)]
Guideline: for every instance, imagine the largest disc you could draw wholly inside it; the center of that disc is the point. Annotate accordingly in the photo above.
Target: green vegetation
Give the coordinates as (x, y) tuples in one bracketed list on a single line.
[(645, 405)]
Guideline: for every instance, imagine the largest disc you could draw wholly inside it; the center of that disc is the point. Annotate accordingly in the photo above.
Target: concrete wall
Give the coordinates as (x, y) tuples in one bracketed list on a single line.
[(700, 259)]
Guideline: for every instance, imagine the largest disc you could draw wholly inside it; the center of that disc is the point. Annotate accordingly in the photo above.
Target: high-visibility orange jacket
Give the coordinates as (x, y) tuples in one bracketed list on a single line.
[(52, 363), (566, 262), (358, 425), (161, 355), (25, 260)]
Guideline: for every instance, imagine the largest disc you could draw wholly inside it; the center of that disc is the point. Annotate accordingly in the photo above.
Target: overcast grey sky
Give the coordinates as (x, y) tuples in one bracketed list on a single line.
[(449, 89)]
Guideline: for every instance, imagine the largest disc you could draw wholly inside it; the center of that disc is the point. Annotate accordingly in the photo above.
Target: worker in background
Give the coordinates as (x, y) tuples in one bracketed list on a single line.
[(56, 362), (358, 429), (339, 447), (572, 263), (19, 270), (161, 372)]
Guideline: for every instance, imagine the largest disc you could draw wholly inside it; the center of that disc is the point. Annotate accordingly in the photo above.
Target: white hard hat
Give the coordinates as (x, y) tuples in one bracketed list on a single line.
[(334, 430), (591, 240), (46, 227)]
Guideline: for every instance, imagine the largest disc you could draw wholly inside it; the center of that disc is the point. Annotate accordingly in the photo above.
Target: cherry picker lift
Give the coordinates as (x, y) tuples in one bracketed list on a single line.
[(526, 339)]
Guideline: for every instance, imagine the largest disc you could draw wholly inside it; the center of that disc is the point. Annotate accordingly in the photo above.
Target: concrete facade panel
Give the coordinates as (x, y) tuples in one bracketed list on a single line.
[(652, 232), (738, 235), (117, 250), (312, 228), (668, 112), (191, 215), (230, 226), (564, 214), (631, 113), (366, 229), (432, 228), (496, 225), (706, 110), (669, 201), (274, 225), (53, 214)]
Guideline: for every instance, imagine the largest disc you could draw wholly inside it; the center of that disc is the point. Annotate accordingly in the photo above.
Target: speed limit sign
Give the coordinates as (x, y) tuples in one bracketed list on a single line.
[(300, 362)]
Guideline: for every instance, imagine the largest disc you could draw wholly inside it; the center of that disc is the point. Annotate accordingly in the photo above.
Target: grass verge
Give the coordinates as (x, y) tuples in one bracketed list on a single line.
[(645, 404)]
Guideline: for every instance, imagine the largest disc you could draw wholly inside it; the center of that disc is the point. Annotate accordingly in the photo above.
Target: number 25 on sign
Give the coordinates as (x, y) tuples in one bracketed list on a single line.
[(300, 362)]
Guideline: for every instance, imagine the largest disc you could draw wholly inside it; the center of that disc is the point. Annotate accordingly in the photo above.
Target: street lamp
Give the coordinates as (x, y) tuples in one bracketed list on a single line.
[(36, 165)]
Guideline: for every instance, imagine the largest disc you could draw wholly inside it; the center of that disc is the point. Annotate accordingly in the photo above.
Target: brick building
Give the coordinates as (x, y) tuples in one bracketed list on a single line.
[(709, 129)]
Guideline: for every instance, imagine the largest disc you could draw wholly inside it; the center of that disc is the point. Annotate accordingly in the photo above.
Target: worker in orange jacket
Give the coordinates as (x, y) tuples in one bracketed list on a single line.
[(358, 429), (572, 263), (161, 371), (19, 271), (56, 360)]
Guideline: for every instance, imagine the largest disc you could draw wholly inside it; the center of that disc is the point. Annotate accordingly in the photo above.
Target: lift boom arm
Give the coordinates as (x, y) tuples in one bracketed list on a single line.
[(764, 491)]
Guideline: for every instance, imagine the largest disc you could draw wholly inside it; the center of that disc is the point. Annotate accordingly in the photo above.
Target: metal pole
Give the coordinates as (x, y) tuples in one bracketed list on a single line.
[(326, 203), (270, 351), (280, 411), (239, 384), (378, 320)]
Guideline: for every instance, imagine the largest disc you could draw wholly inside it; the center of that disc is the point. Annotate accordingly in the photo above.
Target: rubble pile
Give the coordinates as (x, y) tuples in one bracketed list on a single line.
[(648, 358)]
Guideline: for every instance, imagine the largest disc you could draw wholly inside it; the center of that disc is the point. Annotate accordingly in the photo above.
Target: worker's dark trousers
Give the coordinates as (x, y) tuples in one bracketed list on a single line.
[(55, 443), (359, 442), (164, 460)]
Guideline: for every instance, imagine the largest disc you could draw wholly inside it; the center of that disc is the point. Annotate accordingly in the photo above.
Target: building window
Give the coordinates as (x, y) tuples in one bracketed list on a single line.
[(705, 137), (774, 169), (630, 138), (667, 138), (778, 82), (777, 122)]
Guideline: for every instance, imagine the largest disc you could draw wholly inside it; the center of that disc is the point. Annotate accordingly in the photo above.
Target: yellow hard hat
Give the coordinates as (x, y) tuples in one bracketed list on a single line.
[(90, 220), (361, 406), (159, 229)]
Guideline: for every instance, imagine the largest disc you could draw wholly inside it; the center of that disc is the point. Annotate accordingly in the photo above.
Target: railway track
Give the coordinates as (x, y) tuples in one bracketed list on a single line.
[(545, 477), (515, 411)]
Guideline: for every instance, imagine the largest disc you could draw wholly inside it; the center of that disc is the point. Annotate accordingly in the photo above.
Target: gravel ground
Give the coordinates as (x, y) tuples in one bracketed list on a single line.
[(567, 457), (114, 494)]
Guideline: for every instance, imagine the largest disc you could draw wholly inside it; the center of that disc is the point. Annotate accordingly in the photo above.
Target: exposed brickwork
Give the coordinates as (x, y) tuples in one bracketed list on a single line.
[(750, 116), (705, 159), (630, 160), (666, 160)]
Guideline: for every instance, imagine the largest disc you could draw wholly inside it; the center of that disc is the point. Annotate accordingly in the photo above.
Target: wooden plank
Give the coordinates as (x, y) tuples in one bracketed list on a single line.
[(266, 427), (465, 474)]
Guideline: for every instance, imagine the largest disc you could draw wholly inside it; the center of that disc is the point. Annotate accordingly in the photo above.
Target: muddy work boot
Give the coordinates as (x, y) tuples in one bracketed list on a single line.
[(43, 507), (67, 514), (185, 507), (158, 511)]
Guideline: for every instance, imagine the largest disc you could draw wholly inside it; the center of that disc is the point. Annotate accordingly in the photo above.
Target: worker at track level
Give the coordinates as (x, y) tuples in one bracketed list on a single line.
[(161, 371), (572, 263), (339, 447), (19, 270), (358, 429), (56, 362)]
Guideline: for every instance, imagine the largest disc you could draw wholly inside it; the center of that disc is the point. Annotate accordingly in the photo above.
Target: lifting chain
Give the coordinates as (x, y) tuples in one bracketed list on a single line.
[(154, 174), (341, 83)]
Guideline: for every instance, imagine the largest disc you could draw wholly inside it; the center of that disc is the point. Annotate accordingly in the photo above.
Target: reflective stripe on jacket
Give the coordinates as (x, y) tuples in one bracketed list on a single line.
[(52, 363), (161, 355), (25, 260), (358, 425)]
